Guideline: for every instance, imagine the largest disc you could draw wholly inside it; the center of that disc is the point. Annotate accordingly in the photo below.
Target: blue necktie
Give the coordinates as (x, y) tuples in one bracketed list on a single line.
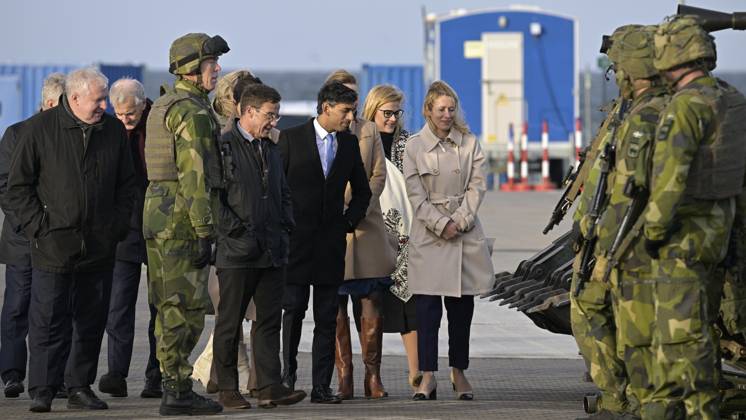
[(329, 153)]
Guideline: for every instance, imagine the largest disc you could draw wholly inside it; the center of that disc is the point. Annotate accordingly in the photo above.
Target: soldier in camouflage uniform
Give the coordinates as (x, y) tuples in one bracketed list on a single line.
[(698, 168), (632, 54), (591, 313), (177, 219)]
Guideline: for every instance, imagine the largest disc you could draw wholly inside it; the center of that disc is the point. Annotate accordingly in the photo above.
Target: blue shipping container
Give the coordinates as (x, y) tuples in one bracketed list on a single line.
[(10, 101), (547, 73), (32, 78), (409, 79)]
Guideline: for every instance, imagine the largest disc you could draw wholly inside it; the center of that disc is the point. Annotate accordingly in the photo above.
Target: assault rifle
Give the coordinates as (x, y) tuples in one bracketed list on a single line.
[(588, 245), (565, 202), (625, 236), (575, 179)]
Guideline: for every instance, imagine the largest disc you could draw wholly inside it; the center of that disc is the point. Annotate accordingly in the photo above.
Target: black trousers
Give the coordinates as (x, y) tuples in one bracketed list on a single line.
[(66, 311), (237, 287), (153, 368), (14, 322), (295, 304), (120, 323), (429, 313)]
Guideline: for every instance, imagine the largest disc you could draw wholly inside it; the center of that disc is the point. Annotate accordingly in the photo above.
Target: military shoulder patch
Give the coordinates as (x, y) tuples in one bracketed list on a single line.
[(665, 128)]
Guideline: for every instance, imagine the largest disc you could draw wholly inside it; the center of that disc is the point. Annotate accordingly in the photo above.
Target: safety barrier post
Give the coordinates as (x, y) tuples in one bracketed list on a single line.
[(546, 184), (578, 141), (510, 185), (524, 185)]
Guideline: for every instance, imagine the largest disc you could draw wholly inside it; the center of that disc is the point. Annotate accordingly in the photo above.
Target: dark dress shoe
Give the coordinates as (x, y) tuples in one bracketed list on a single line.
[(113, 384), (84, 399), (187, 403), (278, 394), (233, 399), (42, 401), (13, 388), (288, 380), (324, 395), (153, 389), (61, 393)]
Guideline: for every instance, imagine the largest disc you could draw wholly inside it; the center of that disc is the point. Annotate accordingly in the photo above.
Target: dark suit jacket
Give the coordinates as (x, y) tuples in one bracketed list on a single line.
[(132, 248), (318, 243)]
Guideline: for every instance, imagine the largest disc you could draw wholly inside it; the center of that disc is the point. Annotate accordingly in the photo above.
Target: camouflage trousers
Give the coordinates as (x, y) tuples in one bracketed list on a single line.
[(592, 318), (179, 293), (665, 325)]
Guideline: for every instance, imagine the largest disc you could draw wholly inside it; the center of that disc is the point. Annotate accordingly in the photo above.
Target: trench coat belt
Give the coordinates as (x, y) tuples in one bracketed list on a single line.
[(450, 202)]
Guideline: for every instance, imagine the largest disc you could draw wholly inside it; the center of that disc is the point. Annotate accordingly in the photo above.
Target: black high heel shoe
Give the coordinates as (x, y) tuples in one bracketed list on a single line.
[(420, 396), (461, 396), (432, 395)]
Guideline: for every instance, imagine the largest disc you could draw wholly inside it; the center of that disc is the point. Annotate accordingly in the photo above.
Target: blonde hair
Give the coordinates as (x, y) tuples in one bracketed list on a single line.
[(224, 103), (379, 96), (437, 89), (341, 76)]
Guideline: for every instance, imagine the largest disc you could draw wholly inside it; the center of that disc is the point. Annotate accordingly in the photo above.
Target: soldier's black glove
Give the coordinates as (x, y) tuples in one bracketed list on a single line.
[(204, 253), (653, 246)]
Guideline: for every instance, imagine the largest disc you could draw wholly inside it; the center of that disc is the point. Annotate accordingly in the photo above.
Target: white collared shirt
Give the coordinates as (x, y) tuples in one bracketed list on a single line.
[(321, 144)]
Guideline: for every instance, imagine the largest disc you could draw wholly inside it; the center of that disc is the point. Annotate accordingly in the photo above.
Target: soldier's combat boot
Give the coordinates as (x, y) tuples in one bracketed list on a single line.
[(186, 403), (609, 415)]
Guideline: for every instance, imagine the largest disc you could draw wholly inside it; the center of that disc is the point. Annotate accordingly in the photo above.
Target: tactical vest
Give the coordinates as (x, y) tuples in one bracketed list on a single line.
[(717, 170), (160, 152)]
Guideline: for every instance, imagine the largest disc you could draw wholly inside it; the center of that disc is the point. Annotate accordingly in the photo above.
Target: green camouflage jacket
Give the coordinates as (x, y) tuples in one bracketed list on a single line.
[(634, 147), (181, 209), (694, 229), (589, 184)]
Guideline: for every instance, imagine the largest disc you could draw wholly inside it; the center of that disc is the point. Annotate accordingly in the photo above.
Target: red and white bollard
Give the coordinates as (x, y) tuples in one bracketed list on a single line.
[(578, 141), (510, 185), (546, 184), (524, 185)]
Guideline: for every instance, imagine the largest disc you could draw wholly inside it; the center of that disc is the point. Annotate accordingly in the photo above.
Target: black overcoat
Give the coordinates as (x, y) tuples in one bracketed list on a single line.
[(70, 186)]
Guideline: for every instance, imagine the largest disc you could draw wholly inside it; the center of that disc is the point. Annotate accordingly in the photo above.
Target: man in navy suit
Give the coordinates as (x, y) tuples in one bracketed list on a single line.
[(320, 158)]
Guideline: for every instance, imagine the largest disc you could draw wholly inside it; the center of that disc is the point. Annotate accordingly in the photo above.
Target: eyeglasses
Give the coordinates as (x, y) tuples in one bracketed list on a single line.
[(271, 115), (388, 113)]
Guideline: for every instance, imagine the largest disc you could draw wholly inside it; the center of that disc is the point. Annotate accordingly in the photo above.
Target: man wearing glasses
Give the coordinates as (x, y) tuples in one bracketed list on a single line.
[(254, 221)]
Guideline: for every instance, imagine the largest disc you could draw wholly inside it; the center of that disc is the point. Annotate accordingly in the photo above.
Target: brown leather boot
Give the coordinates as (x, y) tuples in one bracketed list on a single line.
[(233, 399), (371, 341), (343, 358)]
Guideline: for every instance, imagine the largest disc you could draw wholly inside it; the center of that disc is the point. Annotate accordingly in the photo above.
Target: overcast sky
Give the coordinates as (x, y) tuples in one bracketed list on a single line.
[(291, 34)]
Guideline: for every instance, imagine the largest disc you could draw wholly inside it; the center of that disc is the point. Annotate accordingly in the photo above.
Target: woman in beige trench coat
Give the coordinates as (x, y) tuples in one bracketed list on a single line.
[(369, 261), (449, 261)]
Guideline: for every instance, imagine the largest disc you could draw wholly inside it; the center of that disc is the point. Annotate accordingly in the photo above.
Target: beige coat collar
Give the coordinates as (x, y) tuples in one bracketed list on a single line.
[(431, 140)]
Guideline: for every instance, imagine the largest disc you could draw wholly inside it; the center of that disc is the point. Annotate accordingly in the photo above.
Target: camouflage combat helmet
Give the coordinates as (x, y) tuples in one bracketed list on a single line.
[(633, 51), (224, 103), (188, 52), (680, 40)]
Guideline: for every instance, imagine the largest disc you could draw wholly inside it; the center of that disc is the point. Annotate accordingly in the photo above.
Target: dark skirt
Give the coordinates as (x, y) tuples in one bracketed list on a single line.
[(359, 288), (398, 316)]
